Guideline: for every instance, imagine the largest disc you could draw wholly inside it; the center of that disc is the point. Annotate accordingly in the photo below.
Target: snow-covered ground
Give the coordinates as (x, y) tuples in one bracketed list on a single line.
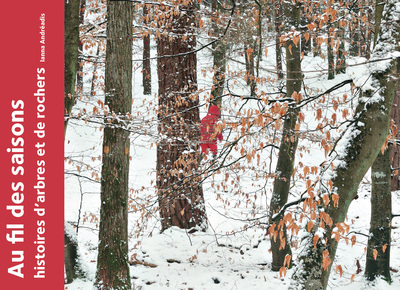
[(234, 252)]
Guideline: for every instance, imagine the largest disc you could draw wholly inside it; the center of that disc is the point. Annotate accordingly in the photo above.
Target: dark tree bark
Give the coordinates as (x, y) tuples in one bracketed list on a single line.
[(284, 168), (355, 36), (249, 48), (112, 260), (316, 44), (370, 31), (278, 46), (305, 42), (71, 45), (70, 256), (146, 55), (395, 149), (181, 198), (378, 250), (79, 74), (259, 41), (219, 55), (341, 52), (249, 60), (372, 126), (330, 44), (72, 267)]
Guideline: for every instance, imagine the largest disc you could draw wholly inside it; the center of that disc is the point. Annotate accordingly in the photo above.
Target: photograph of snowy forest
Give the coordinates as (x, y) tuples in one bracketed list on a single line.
[(232, 144)]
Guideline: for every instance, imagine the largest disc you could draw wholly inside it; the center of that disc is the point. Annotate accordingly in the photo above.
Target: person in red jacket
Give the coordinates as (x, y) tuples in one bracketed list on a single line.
[(209, 136)]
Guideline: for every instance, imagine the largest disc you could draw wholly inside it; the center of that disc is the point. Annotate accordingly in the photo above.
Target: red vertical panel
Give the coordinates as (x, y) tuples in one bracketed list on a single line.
[(31, 147)]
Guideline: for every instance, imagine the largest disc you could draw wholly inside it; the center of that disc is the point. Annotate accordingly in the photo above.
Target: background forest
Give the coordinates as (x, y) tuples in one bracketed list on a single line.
[(303, 193)]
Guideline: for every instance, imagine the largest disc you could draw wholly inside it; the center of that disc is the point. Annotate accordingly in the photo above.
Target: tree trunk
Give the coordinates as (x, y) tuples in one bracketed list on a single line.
[(363, 141), (305, 42), (331, 57), (249, 60), (79, 74), (378, 251), (146, 55), (395, 149), (278, 47), (341, 52), (369, 29), (355, 33), (330, 44), (71, 44), (259, 41), (112, 260), (72, 267), (284, 168), (181, 198), (219, 56)]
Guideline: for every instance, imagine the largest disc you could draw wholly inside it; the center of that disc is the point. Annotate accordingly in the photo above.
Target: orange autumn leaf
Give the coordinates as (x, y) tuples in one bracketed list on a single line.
[(306, 36), (385, 145), (266, 51), (335, 198), (384, 248), (287, 260), (313, 215), (352, 278), (106, 149), (297, 97), (315, 240), (339, 269), (296, 40), (301, 117), (249, 51), (310, 224), (310, 26), (364, 18), (353, 240), (282, 272), (326, 261), (283, 242), (375, 253), (201, 23), (336, 236), (319, 114), (330, 184), (314, 170), (325, 198)]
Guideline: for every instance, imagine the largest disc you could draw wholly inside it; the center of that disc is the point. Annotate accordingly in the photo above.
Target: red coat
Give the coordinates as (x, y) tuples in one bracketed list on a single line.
[(207, 127)]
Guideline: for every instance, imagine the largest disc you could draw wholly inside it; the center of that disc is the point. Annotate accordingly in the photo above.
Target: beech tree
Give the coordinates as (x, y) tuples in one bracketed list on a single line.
[(355, 152), (394, 149), (181, 200), (146, 53), (284, 169), (112, 260), (278, 45), (71, 45), (379, 240), (219, 52)]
